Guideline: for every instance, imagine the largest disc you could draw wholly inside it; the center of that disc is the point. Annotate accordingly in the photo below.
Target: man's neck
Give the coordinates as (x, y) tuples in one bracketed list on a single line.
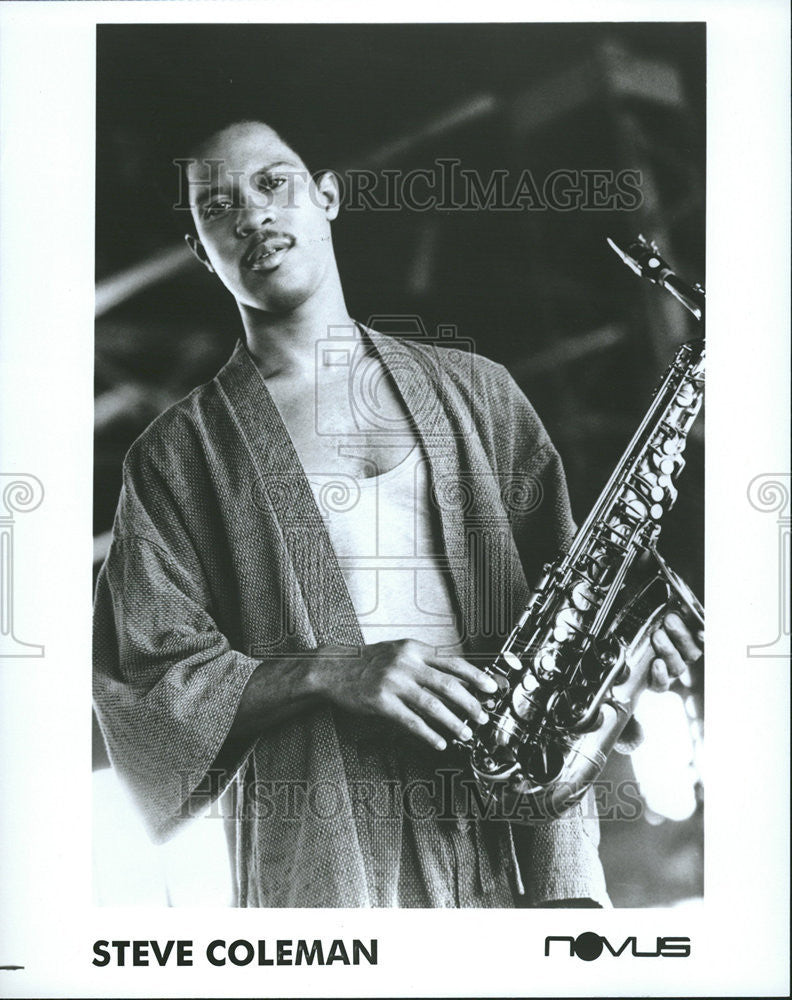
[(284, 345)]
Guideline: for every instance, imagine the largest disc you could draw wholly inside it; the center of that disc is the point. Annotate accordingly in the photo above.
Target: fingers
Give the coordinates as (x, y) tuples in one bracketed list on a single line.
[(454, 692), (413, 723), (659, 679), (677, 648), (461, 668), (668, 652), (435, 712), (426, 693), (689, 648)]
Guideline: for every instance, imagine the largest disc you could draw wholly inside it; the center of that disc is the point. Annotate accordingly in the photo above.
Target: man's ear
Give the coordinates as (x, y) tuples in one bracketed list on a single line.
[(198, 251), (329, 191)]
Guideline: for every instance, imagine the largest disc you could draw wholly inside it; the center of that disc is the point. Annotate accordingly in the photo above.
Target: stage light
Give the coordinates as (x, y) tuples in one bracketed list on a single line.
[(665, 764)]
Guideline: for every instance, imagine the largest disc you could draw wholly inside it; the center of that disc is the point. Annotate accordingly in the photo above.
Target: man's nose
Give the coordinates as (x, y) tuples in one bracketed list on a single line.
[(257, 213)]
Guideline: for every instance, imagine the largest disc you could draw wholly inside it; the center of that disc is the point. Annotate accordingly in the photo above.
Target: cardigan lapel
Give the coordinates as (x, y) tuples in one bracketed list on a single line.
[(437, 386), (286, 493), (419, 379)]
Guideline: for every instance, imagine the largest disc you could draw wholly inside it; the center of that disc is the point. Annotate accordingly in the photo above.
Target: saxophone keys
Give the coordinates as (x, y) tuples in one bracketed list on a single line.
[(546, 664), (610, 653), (492, 700), (636, 507), (582, 596), (512, 660), (567, 623), (524, 701), (666, 466)]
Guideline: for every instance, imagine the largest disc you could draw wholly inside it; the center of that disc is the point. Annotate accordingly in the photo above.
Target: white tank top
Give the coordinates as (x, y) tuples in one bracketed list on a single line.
[(383, 534)]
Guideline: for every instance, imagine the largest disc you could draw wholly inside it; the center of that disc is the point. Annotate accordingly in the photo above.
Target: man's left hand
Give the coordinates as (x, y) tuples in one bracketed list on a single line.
[(677, 649)]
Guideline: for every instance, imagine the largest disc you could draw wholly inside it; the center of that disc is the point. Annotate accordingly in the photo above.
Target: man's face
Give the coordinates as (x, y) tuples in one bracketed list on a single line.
[(263, 224)]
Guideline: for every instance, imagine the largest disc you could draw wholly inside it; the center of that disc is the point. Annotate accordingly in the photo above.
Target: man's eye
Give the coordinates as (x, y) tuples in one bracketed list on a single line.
[(216, 208), (270, 183)]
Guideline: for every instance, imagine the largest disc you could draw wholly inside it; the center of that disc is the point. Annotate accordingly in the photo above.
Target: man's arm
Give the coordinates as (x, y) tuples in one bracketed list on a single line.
[(175, 701), (405, 682)]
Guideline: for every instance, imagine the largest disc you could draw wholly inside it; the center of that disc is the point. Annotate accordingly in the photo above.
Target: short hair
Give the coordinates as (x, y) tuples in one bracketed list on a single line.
[(194, 145), (200, 144)]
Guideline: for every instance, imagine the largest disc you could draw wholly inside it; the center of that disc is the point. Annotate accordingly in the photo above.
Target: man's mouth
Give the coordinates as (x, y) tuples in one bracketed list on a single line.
[(268, 253)]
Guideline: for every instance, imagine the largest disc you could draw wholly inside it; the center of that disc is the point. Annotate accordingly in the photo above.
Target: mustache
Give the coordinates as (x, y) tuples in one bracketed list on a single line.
[(266, 242)]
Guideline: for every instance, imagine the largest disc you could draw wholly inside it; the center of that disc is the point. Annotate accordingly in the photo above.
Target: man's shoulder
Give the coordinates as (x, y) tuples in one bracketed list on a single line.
[(480, 392), (188, 425), (457, 361), (448, 350), (182, 428)]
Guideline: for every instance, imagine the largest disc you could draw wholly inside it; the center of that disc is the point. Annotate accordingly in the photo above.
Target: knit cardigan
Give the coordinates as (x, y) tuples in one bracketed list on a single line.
[(220, 558)]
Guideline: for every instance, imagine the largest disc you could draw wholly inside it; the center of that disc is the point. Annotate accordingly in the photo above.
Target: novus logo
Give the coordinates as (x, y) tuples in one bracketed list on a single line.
[(589, 946)]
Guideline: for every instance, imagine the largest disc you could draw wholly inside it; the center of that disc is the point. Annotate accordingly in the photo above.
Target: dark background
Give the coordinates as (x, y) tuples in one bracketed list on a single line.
[(537, 290)]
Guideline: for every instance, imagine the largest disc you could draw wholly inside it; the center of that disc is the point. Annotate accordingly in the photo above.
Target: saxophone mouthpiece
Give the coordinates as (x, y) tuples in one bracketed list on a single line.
[(643, 257), (631, 262)]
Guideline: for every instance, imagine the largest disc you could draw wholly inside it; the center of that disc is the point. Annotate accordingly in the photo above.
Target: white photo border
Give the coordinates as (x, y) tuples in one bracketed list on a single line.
[(49, 923)]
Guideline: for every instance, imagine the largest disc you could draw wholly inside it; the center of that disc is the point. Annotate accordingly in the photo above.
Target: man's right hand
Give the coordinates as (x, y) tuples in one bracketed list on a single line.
[(407, 682)]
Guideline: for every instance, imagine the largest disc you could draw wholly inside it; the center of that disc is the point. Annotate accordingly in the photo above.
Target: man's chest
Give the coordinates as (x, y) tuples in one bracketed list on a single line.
[(352, 423)]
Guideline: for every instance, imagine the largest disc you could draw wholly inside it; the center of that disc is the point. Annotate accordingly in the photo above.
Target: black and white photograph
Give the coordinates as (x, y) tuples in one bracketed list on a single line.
[(432, 366), (355, 384)]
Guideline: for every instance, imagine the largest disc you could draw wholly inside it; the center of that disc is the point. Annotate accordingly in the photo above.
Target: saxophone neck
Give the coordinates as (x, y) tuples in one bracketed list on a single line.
[(691, 296)]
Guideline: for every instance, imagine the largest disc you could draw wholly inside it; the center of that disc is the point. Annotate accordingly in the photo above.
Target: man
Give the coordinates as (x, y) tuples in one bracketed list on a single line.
[(308, 658)]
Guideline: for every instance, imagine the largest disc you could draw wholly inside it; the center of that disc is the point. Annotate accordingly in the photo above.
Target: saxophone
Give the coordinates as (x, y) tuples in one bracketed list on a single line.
[(574, 666)]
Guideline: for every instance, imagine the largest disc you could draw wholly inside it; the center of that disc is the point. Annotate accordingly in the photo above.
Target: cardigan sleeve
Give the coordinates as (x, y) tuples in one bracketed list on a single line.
[(536, 500), (560, 858), (167, 684)]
